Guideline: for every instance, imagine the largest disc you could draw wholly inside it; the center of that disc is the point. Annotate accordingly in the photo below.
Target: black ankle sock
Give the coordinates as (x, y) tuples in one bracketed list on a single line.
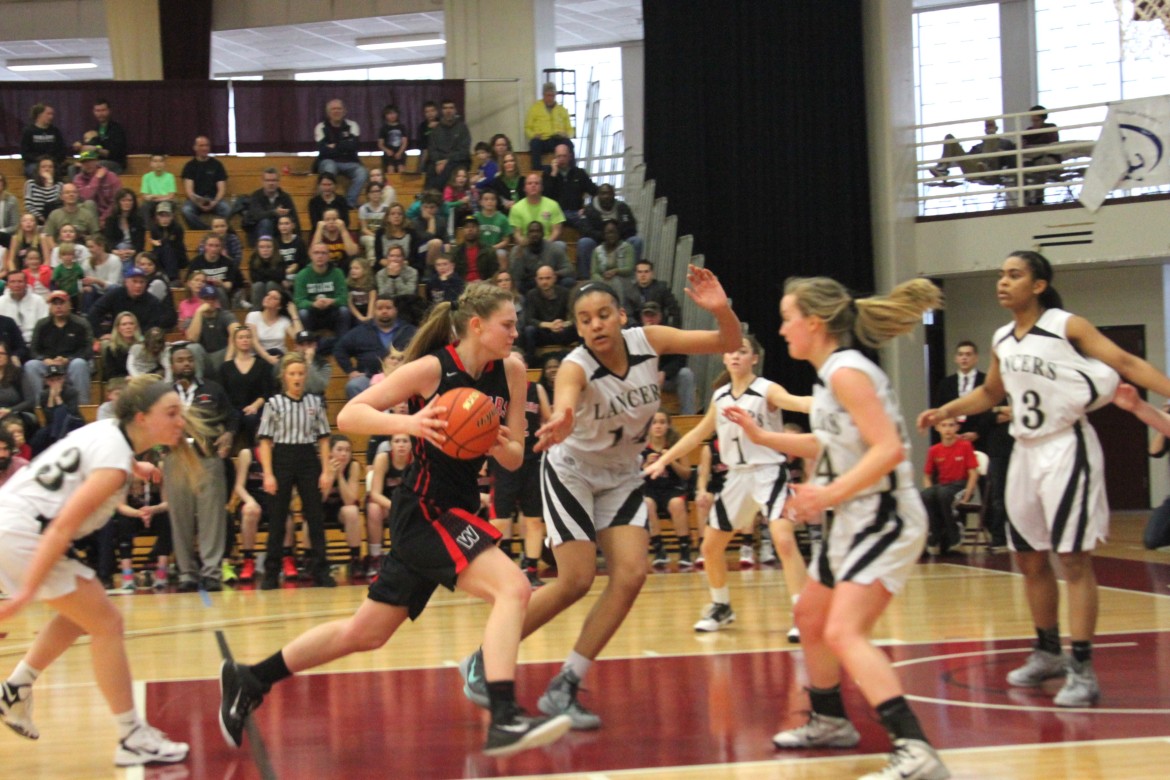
[(827, 701), (502, 695), (249, 555), (899, 720), (527, 563), (271, 670), (1082, 652), (1048, 640), (286, 552)]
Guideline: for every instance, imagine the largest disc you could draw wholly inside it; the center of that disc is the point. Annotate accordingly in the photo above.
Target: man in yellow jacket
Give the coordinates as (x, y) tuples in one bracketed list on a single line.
[(547, 125)]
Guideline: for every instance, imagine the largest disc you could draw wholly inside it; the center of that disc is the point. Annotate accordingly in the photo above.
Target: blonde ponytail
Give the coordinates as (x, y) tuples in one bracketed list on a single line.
[(873, 321)]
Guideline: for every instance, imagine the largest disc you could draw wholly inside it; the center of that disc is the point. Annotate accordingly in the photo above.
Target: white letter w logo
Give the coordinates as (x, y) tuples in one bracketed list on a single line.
[(467, 538)]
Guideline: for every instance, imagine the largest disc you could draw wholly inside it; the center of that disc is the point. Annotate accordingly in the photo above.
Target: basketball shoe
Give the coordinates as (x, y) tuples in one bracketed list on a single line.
[(820, 731), (16, 709), (147, 745), (521, 731), (715, 617), (560, 698), (239, 694), (1080, 687), (1039, 667), (912, 759), (474, 683)]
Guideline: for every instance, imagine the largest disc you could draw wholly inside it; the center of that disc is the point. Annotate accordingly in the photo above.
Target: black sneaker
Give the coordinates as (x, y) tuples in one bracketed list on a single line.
[(324, 580), (533, 578), (239, 693), (188, 586), (271, 580), (523, 731)]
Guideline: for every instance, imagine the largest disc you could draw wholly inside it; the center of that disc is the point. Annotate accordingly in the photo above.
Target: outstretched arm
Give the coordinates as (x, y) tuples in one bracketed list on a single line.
[(798, 445), (1128, 399), (691, 439)]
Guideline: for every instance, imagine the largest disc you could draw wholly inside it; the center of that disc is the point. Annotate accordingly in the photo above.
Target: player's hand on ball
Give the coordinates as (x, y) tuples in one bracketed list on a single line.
[(425, 423)]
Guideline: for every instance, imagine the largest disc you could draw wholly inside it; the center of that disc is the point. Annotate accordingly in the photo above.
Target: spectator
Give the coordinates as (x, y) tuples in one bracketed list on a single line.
[(337, 150), (340, 501), (294, 255), (371, 215), (1039, 133), (249, 488), (168, 241), (158, 187), (392, 140), (231, 245), (508, 184), (11, 337), (606, 207), (431, 230), (113, 390), (457, 195), (422, 137), (218, 269), (151, 356), (42, 190), (535, 207), (397, 230), (503, 280), (550, 321), (992, 142), (361, 291), (500, 145), (26, 239), (131, 296), (13, 398), (116, 351), (24, 308), (17, 427), (9, 211), (107, 140), (194, 284), (613, 261), (42, 139), (396, 278), (10, 462), (68, 275), (471, 261), (486, 166), (951, 472), (97, 184), (68, 234), (359, 353), (674, 375), (547, 125), (320, 367), (143, 512), (535, 252), (59, 409), (248, 380), (391, 460), (38, 274), (100, 273), (266, 270), (975, 427), (568, 184), (199, 511), (205, 184), (326, 198), (208, 330), (646, 289), (274, 322), (443, 283), (495, 234), (73, 211), (333, 234), (268, 204), (666, 493), (320, 293), (448, 147), (157, 284), (123, 226)]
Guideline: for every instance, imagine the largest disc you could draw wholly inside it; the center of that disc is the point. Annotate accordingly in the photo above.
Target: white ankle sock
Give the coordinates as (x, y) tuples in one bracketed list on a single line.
[(721, 595), (127, 722), (578, 663), (23, 674), (375, 550)]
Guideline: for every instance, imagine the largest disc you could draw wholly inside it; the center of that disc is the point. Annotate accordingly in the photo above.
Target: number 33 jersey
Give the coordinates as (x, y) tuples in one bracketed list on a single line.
[(614, 412), (1050, 384), (41, 488), (737, 450)]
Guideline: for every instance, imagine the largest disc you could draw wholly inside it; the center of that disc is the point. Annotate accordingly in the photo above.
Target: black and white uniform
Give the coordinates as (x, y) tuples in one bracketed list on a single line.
[(757, 476), (878, 534), (1055, 494), (34, 495), (520, 488), (591, 480), (433, 519)]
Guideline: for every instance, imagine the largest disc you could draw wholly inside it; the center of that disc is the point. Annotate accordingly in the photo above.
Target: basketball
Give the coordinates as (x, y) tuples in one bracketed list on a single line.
[(472, 423)]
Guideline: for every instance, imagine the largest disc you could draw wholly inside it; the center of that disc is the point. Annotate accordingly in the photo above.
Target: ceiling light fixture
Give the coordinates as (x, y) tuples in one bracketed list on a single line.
[(58, 63), (400, 41)]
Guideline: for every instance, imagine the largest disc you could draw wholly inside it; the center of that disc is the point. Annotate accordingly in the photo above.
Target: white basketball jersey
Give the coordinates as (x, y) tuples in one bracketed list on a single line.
[(1050, 384), (841, 443), (614, 412), (40, 489), (737, 450)]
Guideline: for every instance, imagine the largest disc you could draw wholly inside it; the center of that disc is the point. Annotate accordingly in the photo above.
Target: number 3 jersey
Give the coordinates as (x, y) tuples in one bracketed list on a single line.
[(841, 443), (40, 489), (1050, 384), (614, 412), (737, 450)]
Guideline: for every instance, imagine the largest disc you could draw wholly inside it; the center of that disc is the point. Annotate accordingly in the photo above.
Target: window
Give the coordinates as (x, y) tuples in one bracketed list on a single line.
[(420, 70), (605, 67)]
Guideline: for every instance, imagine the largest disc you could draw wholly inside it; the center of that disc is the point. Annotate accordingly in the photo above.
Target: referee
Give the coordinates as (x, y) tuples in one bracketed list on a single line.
[(292, 424)]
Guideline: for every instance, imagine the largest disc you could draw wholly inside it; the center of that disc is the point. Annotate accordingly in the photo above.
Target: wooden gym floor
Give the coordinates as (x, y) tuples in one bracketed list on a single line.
[(674, 704)]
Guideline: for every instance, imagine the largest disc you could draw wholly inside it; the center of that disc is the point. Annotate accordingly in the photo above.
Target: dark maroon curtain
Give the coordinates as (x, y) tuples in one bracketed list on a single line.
[(279, 116), (162, 116)]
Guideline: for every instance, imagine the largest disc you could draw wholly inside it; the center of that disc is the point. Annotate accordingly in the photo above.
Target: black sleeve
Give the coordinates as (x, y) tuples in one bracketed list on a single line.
[(116, 146), (167, 317)]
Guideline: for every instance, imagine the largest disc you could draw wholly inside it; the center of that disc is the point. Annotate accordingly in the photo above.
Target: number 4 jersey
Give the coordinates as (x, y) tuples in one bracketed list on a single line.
[(736, 449), (1050, 384)]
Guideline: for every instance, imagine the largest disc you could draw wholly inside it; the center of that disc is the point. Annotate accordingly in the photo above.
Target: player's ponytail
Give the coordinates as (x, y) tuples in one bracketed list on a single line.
[(448, 322), (143, 392), (872, 321), (1041, 270)]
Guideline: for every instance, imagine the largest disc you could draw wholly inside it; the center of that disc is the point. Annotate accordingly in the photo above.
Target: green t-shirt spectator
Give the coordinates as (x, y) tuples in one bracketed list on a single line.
[(493, 229), (68, 279), (155, 184), (310, 285), (547, 212)]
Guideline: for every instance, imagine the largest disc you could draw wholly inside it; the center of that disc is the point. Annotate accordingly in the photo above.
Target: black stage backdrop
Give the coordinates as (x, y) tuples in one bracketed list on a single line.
[(756, 133)]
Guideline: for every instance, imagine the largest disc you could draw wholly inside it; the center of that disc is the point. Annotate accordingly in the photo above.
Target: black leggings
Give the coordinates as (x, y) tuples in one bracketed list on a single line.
[(297, 465)]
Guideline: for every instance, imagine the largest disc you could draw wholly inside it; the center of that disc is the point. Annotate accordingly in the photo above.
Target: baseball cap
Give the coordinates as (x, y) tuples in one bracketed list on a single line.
[(305, 336), (208, 291), (470, 220), (164, 207), (89, 154), (58, 295), (131, 272), (652, 306)]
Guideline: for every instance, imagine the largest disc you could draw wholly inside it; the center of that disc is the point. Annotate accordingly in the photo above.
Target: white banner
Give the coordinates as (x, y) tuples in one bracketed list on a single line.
[(1133, 150)]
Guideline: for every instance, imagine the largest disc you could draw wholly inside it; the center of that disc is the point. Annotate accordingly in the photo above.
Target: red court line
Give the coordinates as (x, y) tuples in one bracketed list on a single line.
[(658, 712)]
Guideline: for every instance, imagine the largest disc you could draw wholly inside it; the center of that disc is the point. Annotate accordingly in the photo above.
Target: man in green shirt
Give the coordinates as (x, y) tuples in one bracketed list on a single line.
[(536, 208), (321, 294), (157, 186)]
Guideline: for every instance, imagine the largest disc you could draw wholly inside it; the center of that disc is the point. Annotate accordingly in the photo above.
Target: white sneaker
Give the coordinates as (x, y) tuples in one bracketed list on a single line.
[(767, 554), (16, 709), (794, 636), (820, 731), (1039, 667), (747, 557), (912, 759), (715, 617), (148, 745), (1080, 687)]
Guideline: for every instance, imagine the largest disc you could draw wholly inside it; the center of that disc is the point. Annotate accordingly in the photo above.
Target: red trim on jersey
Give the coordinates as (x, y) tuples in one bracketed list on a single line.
[(489, 366), (478, 522), (452, 549)]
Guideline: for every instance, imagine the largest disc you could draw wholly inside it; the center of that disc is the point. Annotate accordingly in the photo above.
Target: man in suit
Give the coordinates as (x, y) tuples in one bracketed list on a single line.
[(974, 428)]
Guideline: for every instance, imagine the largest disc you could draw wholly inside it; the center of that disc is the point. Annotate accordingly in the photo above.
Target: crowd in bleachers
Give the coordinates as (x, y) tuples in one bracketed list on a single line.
[(214, 285)]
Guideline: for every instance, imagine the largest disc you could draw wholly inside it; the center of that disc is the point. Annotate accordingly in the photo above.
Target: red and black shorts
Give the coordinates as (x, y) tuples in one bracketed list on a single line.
[(431, 546)]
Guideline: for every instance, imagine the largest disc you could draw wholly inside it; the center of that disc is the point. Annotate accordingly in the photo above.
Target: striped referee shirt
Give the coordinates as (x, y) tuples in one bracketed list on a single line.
[(288, 420)]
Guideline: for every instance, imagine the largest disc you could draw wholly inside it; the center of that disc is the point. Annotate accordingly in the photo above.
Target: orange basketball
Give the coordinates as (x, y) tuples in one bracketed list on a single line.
[(472, 423)]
